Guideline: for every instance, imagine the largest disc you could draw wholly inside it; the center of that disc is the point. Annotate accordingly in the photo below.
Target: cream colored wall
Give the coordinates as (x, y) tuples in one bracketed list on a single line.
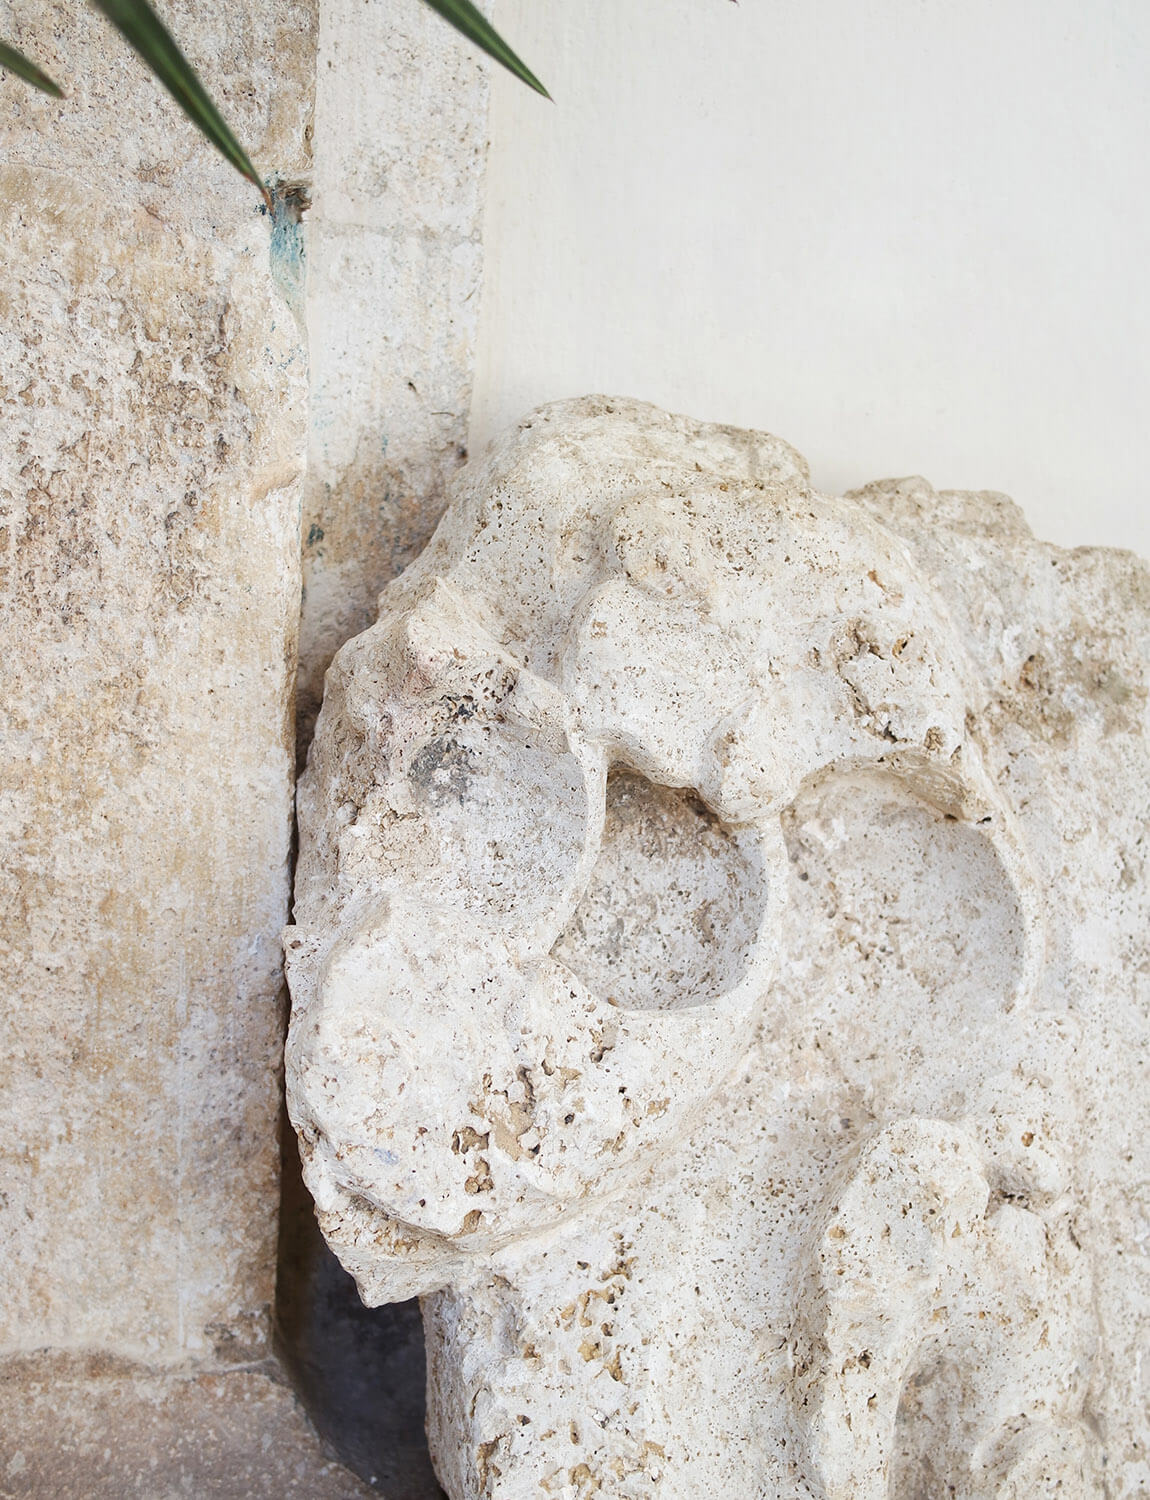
[(907, 235)]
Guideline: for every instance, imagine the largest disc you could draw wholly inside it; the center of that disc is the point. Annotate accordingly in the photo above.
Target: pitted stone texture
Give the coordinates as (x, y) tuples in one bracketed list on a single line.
[(152, 400), (95, 1428), (720, 979)]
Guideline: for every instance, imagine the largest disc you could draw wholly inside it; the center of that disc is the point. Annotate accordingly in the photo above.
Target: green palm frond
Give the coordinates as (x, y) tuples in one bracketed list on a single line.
[(478, 29), (17, 63), (139, 24)]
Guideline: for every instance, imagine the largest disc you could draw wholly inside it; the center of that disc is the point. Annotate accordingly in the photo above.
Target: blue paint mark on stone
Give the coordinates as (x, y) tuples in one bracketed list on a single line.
[(288, 250)]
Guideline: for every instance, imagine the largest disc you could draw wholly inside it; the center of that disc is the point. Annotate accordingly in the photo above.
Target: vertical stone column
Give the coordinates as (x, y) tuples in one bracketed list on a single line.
[(394, 237), (394, 271), (153, 410)]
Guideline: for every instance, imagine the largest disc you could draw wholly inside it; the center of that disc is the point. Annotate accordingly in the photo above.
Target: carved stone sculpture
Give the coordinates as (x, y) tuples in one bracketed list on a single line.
[(720, 979)]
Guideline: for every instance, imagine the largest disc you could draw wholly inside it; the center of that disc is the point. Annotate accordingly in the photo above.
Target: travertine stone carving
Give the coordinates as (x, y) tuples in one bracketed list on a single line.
[(720, 979), (152, 440)]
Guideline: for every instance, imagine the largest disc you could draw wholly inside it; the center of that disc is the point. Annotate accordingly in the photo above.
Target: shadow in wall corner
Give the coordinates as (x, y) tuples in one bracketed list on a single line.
[(359, 1371)]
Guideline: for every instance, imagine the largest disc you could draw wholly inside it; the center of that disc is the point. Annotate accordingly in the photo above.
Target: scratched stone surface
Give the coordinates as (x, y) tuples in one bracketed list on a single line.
[(720, 978)]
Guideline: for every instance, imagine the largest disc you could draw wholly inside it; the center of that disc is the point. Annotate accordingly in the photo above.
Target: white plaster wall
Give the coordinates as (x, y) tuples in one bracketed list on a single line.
[(907, 235)]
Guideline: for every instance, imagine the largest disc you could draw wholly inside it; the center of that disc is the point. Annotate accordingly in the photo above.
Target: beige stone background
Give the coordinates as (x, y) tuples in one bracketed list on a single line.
[(214, 449)]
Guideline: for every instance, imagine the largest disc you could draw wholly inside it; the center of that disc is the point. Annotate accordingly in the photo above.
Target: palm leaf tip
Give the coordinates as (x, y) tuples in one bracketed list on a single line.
[(475, 26), (139, 24), (23, 67)]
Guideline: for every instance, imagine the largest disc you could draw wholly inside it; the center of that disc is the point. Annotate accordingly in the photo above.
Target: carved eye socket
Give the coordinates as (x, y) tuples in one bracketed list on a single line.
[(482, 841), (892, 896), (674, 903)]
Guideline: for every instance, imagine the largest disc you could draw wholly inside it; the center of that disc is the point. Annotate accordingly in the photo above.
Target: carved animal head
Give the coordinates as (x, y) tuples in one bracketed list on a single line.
[(542, 853)]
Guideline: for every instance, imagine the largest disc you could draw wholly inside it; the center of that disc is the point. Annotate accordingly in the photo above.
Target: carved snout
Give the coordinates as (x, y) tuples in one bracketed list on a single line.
[(555, 970), (477, 1096)]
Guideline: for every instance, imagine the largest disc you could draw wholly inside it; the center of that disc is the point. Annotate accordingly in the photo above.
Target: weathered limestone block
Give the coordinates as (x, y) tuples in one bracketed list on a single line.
[(720, 979), (153, 430), (153, 402)]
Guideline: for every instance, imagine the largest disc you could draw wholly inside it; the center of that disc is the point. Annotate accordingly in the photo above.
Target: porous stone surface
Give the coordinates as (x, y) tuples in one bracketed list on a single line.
[(720, 979), (154, 420), (152, 396), (93, 1427)]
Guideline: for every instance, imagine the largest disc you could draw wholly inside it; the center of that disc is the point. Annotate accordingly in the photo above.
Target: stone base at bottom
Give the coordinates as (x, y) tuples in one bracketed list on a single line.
[(98, 1428)]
